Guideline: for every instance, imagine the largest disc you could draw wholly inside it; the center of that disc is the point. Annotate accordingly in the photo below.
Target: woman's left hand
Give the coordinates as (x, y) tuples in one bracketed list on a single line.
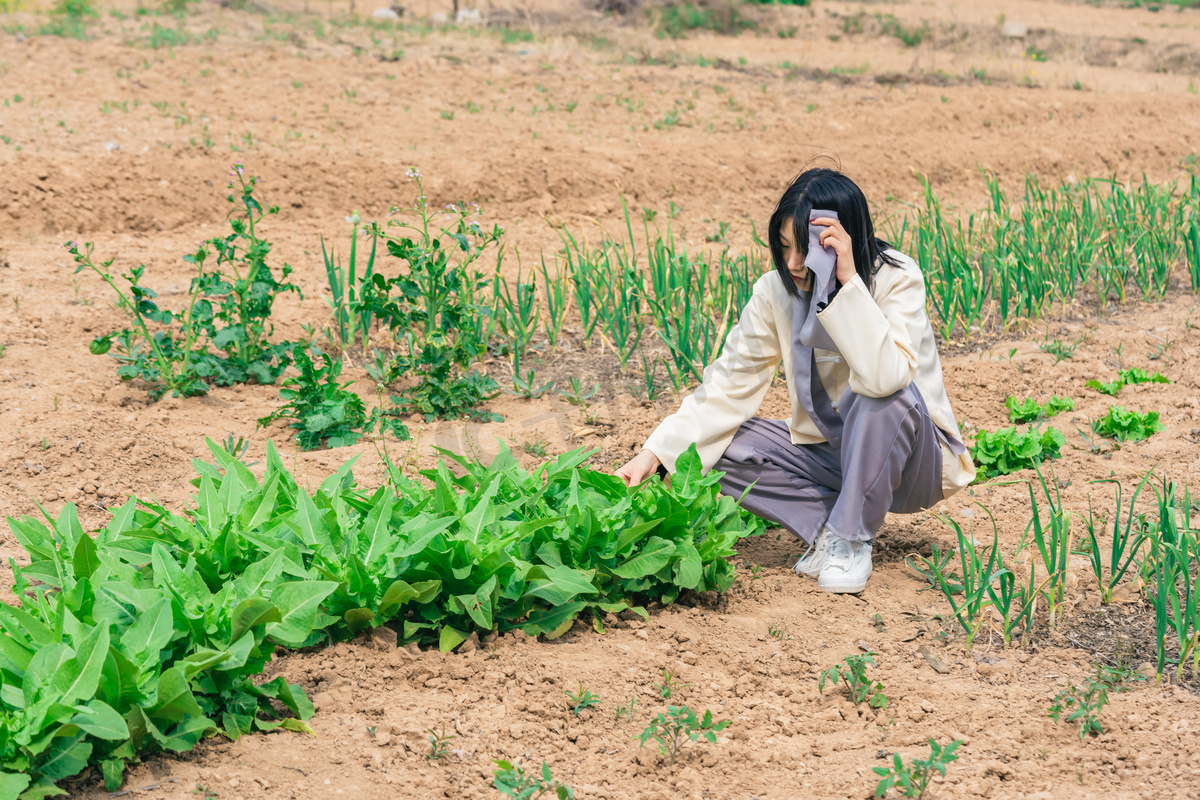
[(835, 236)]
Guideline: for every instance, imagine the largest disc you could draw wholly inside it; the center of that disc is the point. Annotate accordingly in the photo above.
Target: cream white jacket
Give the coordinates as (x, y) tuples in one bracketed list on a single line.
[(886, 343)]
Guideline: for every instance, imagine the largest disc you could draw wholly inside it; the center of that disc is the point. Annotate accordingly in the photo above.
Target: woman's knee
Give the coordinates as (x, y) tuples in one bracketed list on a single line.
[(898, 403)]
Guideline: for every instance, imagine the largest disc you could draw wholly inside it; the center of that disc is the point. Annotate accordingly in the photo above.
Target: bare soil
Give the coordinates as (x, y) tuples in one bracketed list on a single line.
[(118, 142)]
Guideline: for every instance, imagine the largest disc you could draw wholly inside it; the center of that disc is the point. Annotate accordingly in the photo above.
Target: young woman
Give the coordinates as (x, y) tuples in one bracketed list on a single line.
[(871, 429)]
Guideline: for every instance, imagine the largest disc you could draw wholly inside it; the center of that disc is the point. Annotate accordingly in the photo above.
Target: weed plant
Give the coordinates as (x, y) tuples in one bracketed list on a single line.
[(912, 779), (1084, 704), (439, 743), (511, 781), (223, 336), (678, 726), (853, 671), (325, 413), (670, 685), (435, 310), (581, 699)]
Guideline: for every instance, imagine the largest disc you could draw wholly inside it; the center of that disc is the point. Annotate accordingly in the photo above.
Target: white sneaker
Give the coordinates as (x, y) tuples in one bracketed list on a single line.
[(847, 567), (813, 562)]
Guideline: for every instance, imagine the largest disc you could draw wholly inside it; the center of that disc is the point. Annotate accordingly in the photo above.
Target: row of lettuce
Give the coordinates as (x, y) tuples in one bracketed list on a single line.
[(148, 636)]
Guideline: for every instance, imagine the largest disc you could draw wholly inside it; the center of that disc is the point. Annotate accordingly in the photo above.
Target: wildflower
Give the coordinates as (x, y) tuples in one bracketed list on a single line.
[(413, 173), (354, 218), (451, 207), (236, 169)]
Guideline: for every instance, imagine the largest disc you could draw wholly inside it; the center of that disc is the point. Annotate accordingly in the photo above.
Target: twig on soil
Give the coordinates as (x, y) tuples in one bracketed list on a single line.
[(302, 772), (124, 792)]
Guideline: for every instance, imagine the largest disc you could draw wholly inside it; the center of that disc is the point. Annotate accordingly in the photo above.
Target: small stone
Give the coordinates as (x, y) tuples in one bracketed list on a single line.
[(385, 14), (938, 665), (641, 634), (1014, 30), (688, 657), (383, 738)]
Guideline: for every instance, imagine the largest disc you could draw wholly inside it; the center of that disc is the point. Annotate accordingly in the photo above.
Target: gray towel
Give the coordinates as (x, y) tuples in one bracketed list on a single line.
[(808, 333)]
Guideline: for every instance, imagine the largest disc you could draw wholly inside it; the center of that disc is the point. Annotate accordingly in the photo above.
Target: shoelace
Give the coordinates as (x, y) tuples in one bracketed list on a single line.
[(811, 548), (839, 551)]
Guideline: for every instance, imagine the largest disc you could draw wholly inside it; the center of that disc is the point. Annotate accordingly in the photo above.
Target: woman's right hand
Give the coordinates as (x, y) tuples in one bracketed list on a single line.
[(639, 468)]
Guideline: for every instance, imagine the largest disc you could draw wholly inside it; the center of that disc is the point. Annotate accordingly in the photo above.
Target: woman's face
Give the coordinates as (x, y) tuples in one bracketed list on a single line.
[(792, 256)]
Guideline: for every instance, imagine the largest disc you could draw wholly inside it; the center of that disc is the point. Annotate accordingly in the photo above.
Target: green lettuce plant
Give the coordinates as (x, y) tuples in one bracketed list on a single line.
[(1007, 451), (1127, 426)]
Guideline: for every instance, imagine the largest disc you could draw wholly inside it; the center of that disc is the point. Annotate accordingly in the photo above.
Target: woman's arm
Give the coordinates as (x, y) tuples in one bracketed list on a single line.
[(878, 338), (733, 388)]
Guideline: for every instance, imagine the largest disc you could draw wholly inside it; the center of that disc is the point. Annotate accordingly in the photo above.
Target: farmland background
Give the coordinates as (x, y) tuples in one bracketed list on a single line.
[(548, 115)]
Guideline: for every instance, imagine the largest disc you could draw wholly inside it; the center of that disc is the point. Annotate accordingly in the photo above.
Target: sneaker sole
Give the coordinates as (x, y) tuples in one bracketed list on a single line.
[(810, 573), (843, 586)]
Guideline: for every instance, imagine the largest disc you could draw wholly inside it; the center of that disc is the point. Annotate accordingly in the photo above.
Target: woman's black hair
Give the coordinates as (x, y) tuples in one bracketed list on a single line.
[(829, 190)]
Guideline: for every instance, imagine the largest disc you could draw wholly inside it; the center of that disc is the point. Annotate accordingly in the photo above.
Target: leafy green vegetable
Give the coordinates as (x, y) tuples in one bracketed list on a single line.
[(1007, 451), (149, 636), (1029, 410), (1124, 425), (1126, 377), (325, 411)]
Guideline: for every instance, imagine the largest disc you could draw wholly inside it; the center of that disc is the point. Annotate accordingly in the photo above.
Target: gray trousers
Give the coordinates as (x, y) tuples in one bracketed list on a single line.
[(890, 459)]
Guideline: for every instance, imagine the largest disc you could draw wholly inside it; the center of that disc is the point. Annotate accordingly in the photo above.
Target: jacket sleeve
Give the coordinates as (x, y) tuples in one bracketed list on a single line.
[(878, 338), (732, 390)]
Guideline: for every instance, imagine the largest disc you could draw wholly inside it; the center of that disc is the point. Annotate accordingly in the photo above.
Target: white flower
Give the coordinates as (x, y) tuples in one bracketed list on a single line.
[(413, 172), (354, 218)]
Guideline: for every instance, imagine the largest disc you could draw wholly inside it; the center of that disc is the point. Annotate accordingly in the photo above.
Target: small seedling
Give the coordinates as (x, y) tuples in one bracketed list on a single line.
[(680, 725), (1060, 349), (511, 781), (1081, 705), (669, 686), (237, 448), (913, 779), (627, 710), (581, 699), (576, 396), (877, 621), (779, 632), (755, 572), (536, 448), (853, 670), (204, 792), (439, 742)]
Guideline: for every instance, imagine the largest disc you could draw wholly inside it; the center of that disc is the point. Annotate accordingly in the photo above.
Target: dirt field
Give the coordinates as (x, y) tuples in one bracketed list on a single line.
[(125, 142)]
